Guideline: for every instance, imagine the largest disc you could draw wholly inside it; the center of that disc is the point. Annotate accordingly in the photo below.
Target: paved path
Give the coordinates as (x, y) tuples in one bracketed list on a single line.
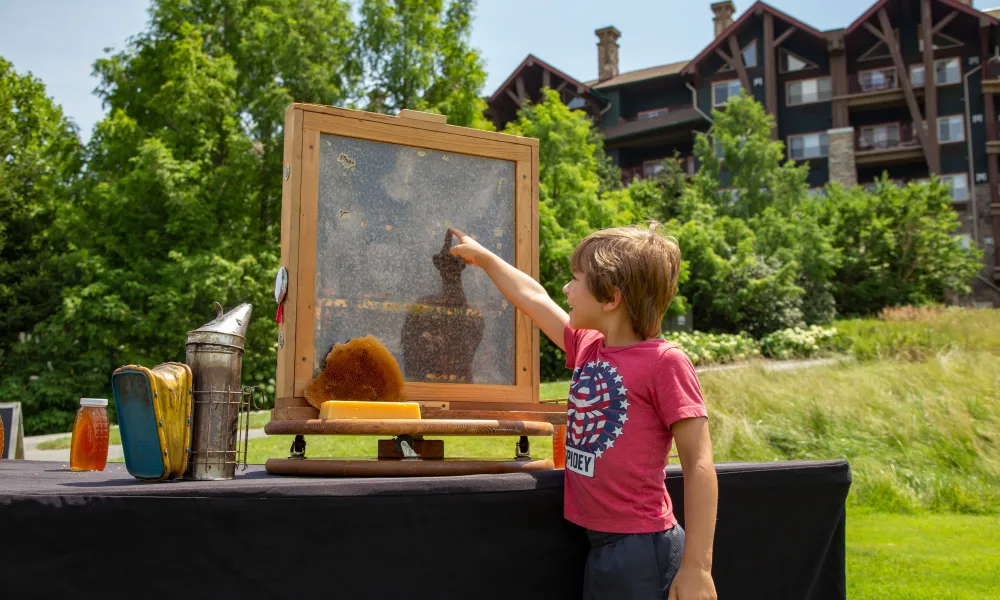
[(31, 451)]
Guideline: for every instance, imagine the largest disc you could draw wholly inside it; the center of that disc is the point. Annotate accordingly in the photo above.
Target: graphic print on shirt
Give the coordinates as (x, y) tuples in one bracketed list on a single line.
[(596, 415)]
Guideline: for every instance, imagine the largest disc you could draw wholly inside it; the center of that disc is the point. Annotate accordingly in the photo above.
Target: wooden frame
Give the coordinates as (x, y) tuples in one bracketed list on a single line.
[(13, 444), (788, 85), (878, 40), (728, 68), (304, 123)]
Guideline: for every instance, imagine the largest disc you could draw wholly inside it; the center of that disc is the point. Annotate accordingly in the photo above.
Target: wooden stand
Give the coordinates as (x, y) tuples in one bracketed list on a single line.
[(408, 454)]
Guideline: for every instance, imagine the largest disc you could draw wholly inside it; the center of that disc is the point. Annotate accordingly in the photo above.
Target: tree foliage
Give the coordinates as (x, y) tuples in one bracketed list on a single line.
[(899, 247), (417, 55), (40, 158), (179, 205)]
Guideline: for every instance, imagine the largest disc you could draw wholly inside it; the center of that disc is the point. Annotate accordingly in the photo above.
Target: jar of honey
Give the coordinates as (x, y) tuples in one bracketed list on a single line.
[(559, 447), (89, 447)]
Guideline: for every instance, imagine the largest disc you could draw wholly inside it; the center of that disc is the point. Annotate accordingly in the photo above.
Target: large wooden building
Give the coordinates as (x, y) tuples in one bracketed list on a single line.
[(854, 102)]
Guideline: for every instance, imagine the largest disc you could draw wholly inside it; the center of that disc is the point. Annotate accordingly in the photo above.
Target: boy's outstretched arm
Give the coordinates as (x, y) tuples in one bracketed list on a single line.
[(523, 292), (701, 499)]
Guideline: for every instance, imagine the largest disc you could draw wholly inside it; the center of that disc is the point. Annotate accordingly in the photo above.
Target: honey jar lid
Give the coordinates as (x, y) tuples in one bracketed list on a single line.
[(93, 401)]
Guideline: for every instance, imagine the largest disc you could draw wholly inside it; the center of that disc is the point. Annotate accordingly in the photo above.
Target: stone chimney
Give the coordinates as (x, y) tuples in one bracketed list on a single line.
[(723, 16), (607, 53)]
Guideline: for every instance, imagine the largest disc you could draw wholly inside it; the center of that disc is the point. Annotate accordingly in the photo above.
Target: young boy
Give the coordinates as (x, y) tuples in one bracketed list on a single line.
[(632, 394)]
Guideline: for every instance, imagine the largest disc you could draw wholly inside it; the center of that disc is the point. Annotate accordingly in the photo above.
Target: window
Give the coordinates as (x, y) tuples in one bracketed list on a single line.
[(879, 137), (810, 145), (941, 42), (722, 91), (651, 114), (946, 72), (959, 185), (876, 80), (951, 129), (964, 240), (790, 63), (651, 168), (879, 50), (808, 91), (750, 54)]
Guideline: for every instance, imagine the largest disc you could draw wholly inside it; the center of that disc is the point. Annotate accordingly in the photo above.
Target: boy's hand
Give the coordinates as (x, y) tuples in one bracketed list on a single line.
[(469, 249), (692, 583)]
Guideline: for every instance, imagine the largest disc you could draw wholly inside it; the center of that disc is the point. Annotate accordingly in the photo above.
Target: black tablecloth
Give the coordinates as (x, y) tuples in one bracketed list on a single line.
[(780, 534)]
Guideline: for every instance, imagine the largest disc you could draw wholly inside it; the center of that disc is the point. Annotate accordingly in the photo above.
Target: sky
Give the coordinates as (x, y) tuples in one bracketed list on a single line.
[(58, 40)]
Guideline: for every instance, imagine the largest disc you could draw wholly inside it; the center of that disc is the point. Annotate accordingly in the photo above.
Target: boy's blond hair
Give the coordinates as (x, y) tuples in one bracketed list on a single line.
[(640, 262)]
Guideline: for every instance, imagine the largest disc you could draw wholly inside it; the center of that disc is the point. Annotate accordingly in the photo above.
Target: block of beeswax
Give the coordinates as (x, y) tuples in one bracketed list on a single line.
[(348, 409)]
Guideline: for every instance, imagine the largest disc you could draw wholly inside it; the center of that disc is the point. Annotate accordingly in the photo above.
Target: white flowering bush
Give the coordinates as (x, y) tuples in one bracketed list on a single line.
[(801, 342), (710, 349), (797, 342)]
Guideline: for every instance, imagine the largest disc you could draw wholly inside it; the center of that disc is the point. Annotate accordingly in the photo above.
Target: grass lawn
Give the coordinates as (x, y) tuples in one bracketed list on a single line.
[(924, 556), (257, 420)]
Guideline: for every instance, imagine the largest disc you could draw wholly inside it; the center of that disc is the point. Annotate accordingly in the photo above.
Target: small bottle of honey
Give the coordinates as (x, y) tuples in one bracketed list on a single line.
[(559, 447), (89, 447)]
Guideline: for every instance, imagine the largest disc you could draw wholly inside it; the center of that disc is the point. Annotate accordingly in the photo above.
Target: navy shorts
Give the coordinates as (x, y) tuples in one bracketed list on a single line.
[(635, 566)]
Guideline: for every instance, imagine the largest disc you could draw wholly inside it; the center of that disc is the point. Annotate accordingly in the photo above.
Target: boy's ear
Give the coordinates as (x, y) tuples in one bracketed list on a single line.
[(616, 300)]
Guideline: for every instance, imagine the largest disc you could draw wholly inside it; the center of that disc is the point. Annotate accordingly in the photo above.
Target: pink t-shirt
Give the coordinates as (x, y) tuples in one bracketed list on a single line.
[(622, 403)]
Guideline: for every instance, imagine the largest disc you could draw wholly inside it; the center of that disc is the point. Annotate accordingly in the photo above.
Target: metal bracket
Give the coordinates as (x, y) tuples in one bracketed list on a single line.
[(298, 449), (522, 450), (404, 445)]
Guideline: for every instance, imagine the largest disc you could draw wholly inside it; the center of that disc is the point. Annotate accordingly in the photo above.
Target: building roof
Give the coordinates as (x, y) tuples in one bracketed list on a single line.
[(993, 12), (868, 14), (757, 9), (532, 60), (639, 75)]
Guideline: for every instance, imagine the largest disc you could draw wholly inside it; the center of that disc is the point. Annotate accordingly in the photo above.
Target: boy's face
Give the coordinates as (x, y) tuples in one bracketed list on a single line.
[(586, 311)]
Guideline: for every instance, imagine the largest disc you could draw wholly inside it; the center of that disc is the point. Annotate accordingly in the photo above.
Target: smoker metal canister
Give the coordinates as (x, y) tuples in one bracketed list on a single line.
[(215, 355)]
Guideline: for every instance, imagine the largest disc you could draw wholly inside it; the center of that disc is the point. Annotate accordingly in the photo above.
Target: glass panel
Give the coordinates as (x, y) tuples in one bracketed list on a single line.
[(951, 129), (382, 268), (793, 63), (917, 76), (750, 55), (947, 71)]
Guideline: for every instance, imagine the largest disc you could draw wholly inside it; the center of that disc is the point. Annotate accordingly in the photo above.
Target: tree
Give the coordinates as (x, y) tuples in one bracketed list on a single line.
[(571, 204), (40, 159), (899, 246), (741, 171), (756, 256), (417, 55), (179, 205)]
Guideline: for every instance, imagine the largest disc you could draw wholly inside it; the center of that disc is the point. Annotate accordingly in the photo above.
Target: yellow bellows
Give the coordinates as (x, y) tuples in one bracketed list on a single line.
[(348, 409)]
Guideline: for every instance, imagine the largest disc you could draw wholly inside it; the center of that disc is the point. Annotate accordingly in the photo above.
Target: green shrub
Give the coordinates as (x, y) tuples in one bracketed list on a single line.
[(800, 342), (708, 349)]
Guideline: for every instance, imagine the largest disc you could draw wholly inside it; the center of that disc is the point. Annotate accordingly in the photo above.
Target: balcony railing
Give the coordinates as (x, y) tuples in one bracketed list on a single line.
[(649, 115), (902, 135), (877, 80), (688, 165)]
